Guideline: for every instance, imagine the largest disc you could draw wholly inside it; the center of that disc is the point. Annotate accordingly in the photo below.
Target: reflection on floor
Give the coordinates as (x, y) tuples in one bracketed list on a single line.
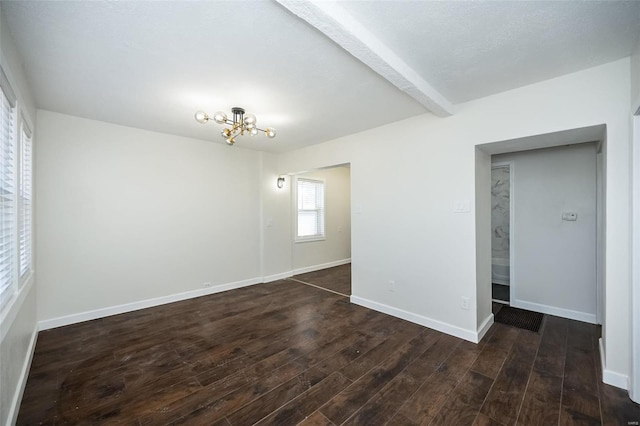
[(336, 279)]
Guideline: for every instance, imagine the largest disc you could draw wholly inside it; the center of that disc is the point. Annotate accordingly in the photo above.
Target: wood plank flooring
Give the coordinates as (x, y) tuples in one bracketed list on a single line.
[(285, 353), (337, 279)]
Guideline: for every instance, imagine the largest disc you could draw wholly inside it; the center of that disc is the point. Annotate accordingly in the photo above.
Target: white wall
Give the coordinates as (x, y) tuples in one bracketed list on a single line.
[(405, 228), (484, 318), (126, 215), (18, 318), (555, 260), (276, 221), (19, 331), (337, 243)]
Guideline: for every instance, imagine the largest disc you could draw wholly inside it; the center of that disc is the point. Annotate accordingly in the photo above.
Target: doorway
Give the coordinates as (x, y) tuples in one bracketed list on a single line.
[(321, 228), (551, 235), (554, 264)]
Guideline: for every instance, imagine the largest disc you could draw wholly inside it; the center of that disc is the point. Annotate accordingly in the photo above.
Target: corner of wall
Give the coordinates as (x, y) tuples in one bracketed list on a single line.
[(484, 327), (483, 236), (611, 377), (469, 335)]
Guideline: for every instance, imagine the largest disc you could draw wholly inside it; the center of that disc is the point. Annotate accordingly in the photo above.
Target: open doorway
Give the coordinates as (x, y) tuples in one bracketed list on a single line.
[(321, 212), (549, 239), (552, 205)]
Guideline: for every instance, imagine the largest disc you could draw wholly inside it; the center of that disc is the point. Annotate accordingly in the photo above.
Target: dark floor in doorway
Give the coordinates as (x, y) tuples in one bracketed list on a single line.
[(336, 279), (520, 318), (500, 292)]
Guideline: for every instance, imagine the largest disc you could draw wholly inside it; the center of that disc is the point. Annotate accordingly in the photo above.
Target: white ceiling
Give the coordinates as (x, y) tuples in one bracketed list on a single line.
[(151, 65)]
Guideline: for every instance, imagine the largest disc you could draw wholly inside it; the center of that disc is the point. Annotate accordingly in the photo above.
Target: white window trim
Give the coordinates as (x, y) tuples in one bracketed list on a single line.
[(311, 238)]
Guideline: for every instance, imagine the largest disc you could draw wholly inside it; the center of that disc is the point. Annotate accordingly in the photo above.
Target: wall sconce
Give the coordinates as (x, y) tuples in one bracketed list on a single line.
[(280, 182)]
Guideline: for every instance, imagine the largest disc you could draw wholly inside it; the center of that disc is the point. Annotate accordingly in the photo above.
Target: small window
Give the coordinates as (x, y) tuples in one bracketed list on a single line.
[(310, 217)]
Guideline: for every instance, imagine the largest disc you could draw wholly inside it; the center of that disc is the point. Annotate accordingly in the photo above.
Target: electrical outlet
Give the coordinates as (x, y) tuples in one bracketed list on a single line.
[(207, 284), (392, 285), (464, 303)]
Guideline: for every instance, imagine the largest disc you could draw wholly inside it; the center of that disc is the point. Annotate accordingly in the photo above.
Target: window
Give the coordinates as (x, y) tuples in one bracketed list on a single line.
[(16, 195), (310, 218), (7, 196), (25, 200)]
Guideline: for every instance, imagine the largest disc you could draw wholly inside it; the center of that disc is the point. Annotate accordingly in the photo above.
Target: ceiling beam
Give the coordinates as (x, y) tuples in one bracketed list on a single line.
[(340, 26)]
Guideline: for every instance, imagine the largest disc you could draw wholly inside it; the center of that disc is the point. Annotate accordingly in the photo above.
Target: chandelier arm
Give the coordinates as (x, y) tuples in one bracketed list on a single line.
[(240, 125)]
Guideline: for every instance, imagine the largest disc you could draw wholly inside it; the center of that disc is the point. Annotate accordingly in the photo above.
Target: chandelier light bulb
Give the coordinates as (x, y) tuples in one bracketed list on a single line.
[(249, 119), (225, 133), (230, 141), (270, 132), (201, 117), (220, 117), (254, 131)]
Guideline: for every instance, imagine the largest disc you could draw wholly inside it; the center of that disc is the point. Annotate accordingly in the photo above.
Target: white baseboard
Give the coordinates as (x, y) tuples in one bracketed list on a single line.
[(320, 266), (485, 326), (148, 303), (276, 277), (313, 268), (471, 336), (611, 377), (22, 381), (142, 304), (558, 312)]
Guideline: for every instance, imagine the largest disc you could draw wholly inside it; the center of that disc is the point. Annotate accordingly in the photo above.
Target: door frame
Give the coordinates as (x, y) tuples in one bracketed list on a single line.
[(600, 233), (634, 383)]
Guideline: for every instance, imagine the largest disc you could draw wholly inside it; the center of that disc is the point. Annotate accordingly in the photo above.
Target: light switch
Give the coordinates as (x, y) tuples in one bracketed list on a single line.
[(570, 216)]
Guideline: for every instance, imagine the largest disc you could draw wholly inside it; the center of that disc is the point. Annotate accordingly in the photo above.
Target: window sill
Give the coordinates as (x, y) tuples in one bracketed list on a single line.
[(309, 239)]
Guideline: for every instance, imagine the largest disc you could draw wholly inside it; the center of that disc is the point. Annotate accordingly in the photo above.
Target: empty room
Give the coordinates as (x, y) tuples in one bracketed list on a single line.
[(320, 212)]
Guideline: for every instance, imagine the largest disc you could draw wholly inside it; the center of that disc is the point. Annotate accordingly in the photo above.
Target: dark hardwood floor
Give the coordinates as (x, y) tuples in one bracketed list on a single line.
[(286, 353), (336, 279)]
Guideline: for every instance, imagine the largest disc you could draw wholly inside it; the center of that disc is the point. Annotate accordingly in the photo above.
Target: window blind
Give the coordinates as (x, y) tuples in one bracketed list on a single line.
[(25, 200), (310, 208), (7, 196)]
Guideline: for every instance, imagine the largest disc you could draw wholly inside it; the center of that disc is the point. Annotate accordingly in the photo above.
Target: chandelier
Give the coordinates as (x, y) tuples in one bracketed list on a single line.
[(240, 124)]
